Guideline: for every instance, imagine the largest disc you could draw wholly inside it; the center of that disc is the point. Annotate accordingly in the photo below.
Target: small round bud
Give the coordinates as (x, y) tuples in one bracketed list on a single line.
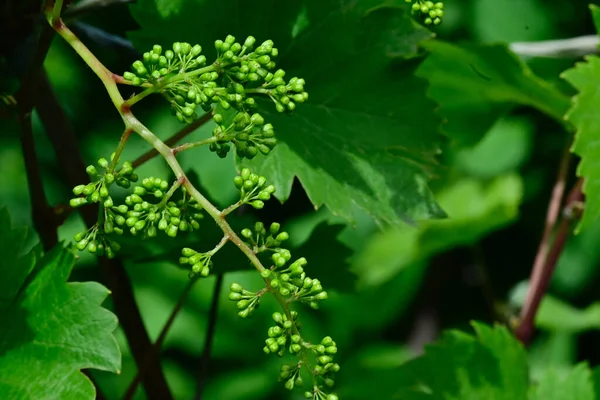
[(282, 237), (236, 288)]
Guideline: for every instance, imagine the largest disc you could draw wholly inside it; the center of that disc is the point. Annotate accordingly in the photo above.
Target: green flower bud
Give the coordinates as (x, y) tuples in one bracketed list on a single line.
[(249, 42), (278, 317), (77, 202), (78, 190), (235, 296), (172, 230), (265, 273), (236, 288), (196, 50), (129, 76), (95, 197), (247, 233), (79, 236)]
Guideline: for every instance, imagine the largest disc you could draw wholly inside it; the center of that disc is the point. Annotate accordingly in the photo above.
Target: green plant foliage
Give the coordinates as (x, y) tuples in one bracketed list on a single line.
[(354, 100), (586, 78), (476, 84), (577, 384), (51, 329), (415, 172), (389, 252), (491, 365)]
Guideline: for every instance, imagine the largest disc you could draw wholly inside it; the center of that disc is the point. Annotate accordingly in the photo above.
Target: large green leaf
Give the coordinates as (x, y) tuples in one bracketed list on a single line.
[(490, 365), (476, 84), (585, 77), (51, 329), (367, 137)]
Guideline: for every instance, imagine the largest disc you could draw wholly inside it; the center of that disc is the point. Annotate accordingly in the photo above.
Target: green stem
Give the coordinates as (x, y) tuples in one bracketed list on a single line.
[(175, 78), (133, 124), (259, 90), (170, 193), (141, 96), (121, 146), (56, 10), (218, 247), (231, 208), (90, 59), (187, 146)]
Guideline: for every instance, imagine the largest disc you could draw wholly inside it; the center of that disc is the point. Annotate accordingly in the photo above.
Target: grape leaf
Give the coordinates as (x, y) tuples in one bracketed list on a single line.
[(585, 77), (367, 136), (476, 84), (51, 329), (577, 384), (490, 365)]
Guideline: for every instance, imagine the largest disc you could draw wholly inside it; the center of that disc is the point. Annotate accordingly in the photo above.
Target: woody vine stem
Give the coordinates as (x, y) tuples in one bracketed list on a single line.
[(285, 284)]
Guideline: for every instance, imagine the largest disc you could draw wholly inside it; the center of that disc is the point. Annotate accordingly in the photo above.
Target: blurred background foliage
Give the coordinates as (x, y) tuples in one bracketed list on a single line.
[(393, 289)]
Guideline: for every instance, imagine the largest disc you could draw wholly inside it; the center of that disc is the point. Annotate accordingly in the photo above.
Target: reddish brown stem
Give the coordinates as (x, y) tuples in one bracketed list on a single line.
[(210, 333), (551, 218), (42, 214), (153, 353), (539, 282)]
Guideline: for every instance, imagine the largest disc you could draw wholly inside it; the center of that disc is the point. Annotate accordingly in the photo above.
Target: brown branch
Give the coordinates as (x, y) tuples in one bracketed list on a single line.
[(42, 214), (551, 217), (86, 6), (212, 324), (174, 139), (62, 136), (539, 282), (153, 353)]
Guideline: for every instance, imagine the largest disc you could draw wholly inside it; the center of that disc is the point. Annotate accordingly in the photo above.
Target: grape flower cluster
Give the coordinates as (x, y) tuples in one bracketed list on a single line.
[(150, 208), (241, 73), (228, 87), (431, 12), (290, 282)]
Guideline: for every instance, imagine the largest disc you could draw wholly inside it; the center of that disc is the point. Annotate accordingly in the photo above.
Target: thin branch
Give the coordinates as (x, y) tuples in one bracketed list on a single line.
[(539, 282), (188, 129), (552, 215), (210, 332), (564, 48), (42, 214), (62, 137), (153, 353), (86, 6)]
